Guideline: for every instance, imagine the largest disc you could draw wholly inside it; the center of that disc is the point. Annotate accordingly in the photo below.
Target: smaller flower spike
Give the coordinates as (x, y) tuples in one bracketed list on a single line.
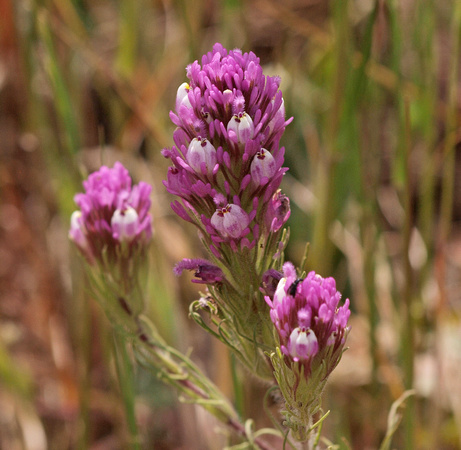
[(112, 214), (312, 330), (226, 167)]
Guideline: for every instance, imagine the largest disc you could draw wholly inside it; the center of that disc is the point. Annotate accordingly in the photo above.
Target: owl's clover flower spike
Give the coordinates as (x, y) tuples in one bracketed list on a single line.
[(230, 119), (113, 215), (226, 170), (312, 329), (112, 230)]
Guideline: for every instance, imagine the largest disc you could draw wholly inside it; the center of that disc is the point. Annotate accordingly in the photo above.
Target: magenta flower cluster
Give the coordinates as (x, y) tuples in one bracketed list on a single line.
[(226, 161), (112, 213), (310, 323)]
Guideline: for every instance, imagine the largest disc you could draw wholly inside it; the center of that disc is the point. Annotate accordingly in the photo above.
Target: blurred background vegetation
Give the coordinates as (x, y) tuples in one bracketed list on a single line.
[(374, 181)]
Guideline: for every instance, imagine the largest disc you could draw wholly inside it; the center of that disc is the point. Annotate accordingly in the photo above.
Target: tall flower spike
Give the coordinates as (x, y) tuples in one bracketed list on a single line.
[(226, 170), (230, 119), (312, 330)]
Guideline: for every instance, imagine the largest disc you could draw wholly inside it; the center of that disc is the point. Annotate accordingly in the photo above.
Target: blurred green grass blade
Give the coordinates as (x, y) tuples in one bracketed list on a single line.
[(82, 10), (358, 83), (326, 171), (78, 311), (426, 109), (128, 37), (232, 4), (365, 186), (452, 126), (352, 163), (394, 419), (190, 21), (408, 326), (161, 305), (61, 93), (14, 378), (395, 26)]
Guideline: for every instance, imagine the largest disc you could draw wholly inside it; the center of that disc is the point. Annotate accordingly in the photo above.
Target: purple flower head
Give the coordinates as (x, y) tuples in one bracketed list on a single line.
[(112, 214), (230, 118), (311, 325)]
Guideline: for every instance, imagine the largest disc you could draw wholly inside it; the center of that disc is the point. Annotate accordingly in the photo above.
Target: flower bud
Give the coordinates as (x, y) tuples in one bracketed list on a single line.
[(228, 97), (125, 224), (302, 344), (262, 167), (174, 182), (230, 221), (182, 97), (278, 117), (200, 152), (279, 292), (242, 126), (277, 212), (77, 233)]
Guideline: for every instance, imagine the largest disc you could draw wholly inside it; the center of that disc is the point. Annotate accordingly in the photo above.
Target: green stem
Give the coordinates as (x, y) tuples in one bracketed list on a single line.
[(452, 119), (64, 104), (369, 239), (127, 47), (179, 371), (408, 350), (238, 391), (79, 307), (126, 382)]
